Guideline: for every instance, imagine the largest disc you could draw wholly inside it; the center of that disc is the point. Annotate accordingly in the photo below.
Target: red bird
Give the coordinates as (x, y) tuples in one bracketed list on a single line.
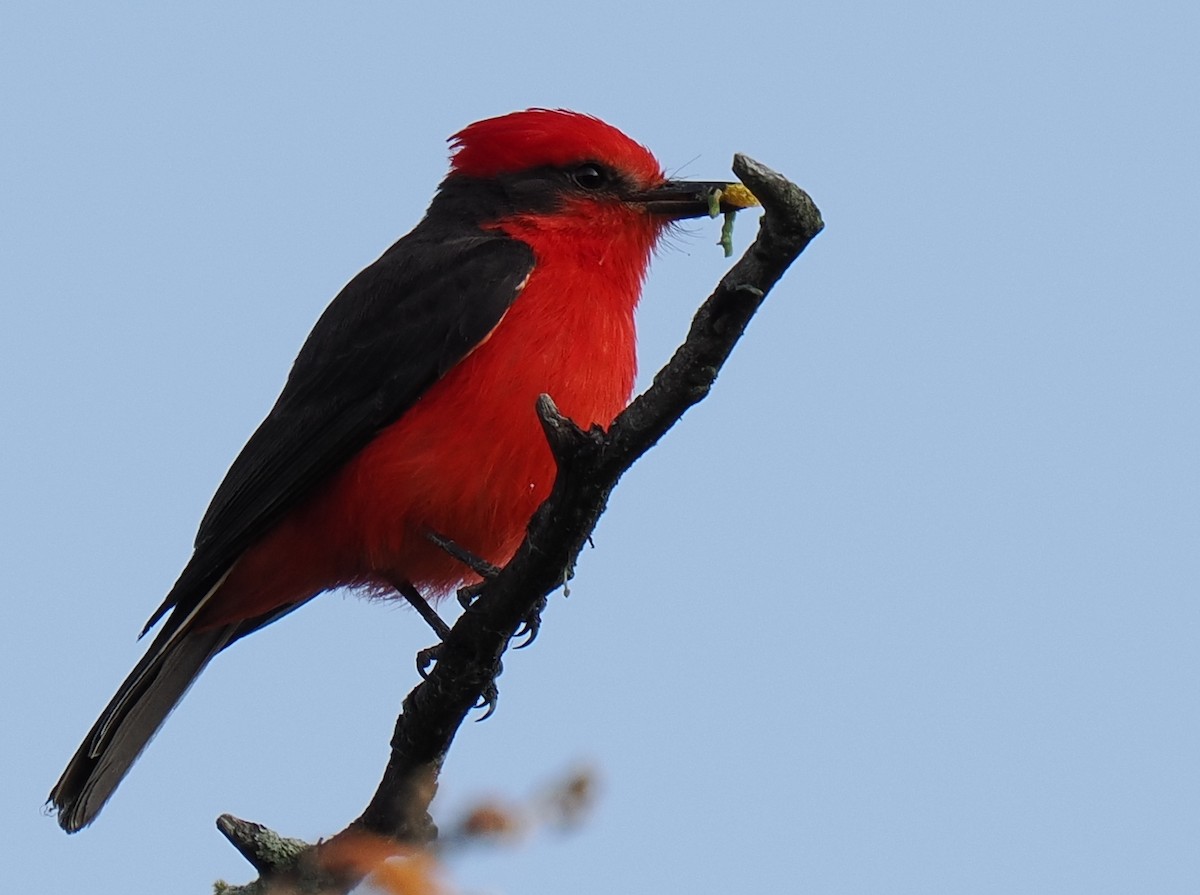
[(410, 407)]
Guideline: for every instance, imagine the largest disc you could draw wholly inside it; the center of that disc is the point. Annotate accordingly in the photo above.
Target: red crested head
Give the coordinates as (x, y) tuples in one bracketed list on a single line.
[(535, 138)]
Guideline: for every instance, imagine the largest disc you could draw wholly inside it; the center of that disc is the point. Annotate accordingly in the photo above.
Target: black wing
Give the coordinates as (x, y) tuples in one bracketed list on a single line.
[(392, 332)]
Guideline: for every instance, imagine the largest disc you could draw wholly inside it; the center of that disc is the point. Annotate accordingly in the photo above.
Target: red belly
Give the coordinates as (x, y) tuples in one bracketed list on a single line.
[(468, 461)]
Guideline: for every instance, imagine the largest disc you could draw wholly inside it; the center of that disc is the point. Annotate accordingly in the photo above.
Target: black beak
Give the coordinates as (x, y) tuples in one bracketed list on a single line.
[(679, 199)]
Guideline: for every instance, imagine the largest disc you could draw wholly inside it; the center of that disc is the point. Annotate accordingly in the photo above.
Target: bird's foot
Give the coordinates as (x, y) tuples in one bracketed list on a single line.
[(530, 625), (468, 594), (487, 699), (426, 658)]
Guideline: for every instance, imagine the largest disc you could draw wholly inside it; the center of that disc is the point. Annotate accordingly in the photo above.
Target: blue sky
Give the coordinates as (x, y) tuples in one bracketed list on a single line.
[(908, 605)]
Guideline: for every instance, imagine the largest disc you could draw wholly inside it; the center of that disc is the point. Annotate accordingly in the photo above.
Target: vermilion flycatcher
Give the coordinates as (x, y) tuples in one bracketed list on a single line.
[(410, 408)]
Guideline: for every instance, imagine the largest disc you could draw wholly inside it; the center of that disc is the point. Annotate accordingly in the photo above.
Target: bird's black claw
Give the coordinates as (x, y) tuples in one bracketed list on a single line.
[(426, 658), (487, 700), (530, 625), (469, 594), (529, 630)]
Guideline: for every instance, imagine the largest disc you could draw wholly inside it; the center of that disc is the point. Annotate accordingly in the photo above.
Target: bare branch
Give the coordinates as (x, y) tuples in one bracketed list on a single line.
[(589, 465)]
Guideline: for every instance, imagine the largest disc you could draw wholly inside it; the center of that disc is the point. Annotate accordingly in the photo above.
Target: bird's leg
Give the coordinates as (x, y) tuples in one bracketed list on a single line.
[(419, 603), (467, 594), (476, 564), (487, 571), (428, 656)]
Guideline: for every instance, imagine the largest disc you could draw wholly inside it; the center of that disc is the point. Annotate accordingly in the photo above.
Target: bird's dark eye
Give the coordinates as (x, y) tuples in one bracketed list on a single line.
[(590, 177)]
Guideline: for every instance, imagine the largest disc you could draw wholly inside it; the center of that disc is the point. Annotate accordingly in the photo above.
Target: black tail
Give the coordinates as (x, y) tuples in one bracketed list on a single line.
[(131, 719)]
